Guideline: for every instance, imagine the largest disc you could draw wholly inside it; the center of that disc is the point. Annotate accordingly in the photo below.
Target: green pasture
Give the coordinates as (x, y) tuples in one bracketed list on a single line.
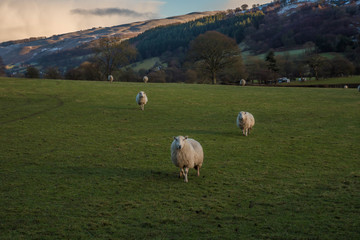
[(79, 160)]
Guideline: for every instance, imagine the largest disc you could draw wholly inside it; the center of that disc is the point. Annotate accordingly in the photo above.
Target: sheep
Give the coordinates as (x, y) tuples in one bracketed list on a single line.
[(245, 121), (141, 99), (242, 82), (145, 79), (110, 78), (186, 153), (346, 86)]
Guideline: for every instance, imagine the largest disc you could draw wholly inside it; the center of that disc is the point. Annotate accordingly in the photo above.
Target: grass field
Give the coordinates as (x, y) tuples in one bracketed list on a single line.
[(79, 160)]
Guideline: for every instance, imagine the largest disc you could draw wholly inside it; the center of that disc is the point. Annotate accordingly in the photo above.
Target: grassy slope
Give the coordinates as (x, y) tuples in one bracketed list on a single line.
[(80, 161)]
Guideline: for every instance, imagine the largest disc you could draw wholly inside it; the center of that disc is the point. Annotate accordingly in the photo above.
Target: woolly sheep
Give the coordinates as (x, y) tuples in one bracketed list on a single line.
[(346, 86), (186, 153), (242, 82), (145, 79), (141, 99), (245, 121), (110, 78)]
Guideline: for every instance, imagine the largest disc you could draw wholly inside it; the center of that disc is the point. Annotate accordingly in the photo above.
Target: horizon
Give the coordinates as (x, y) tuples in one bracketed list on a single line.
[(40, 18)]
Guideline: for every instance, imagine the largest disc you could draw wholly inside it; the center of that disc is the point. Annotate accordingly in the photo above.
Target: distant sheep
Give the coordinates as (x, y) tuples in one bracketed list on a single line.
[(242, 82), (145, 79), (245, 121), (110, 78), (141, 99), (186, 153), (346, 86)]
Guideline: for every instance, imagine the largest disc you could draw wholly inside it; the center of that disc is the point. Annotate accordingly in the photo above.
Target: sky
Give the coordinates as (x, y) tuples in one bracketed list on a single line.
[(21, 19)]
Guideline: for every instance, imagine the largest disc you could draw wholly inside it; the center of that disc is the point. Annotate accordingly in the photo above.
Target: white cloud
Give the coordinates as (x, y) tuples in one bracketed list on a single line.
[(22, 18)]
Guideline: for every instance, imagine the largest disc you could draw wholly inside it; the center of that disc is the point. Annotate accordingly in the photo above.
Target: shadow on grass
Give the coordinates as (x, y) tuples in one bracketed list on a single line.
[(136, 174), (192, 132)]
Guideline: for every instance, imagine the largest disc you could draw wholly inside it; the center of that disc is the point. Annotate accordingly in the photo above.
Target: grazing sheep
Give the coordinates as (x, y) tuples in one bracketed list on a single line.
[(242, 82), (186, 153), (245, 121), (110, 78), (346, 86), (145, 79), (141, 99)]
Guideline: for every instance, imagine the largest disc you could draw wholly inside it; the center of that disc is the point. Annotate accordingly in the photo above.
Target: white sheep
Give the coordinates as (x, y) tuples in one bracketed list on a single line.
[(242, 82), (110, 78), (145, 79), (141, 99), (346, 86), (186, 153), (245, 121)]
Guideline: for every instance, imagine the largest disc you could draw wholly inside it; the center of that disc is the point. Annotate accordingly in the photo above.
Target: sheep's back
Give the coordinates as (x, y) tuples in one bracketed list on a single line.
[(198, 151), (251, 120)]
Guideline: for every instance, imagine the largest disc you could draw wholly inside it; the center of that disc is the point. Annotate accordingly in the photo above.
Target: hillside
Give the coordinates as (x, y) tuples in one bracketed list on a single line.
[(71, 49), (327, 26), (330, 27)]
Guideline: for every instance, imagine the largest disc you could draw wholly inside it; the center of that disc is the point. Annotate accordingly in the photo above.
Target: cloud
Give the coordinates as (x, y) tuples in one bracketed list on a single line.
[(23, 18), (112, 11)]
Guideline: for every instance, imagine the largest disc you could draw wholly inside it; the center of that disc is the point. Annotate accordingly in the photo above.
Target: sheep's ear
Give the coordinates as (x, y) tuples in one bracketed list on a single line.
[(186, 137), (174, 138)]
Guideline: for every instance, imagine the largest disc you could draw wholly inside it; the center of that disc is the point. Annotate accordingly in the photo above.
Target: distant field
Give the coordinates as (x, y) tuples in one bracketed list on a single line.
[(291, 53), (145, 64), (339, 80), (79, 160)]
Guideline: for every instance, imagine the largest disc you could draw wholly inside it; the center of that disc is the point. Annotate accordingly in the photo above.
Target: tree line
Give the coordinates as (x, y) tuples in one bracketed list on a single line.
[(212, 58)]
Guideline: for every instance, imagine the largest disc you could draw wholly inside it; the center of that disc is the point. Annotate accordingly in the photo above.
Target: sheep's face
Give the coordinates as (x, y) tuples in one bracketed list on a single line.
[(242, 116), (141, 94), (180, 142)]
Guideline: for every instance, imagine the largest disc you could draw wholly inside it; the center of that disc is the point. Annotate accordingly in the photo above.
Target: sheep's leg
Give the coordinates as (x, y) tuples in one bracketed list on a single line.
[(181, 173), (142, 107), (186, 174), (198, 170)]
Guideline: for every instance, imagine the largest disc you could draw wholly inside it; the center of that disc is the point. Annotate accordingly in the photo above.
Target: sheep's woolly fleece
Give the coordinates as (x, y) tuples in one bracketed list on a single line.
[(245, 121), (141, 99), (187, 153)]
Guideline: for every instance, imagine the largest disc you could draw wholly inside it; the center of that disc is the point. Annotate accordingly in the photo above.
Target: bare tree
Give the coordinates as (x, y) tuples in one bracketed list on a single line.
[(214, 52), (113, 53)]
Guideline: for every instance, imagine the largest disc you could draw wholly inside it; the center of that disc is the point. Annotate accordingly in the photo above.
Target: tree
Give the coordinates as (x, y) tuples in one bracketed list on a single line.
[(113, 53), (244, 7), (315, 62), (257, 70), (52, 73), (271, 64), (341, 67), (2, 67), (214, 51), (32, 72)]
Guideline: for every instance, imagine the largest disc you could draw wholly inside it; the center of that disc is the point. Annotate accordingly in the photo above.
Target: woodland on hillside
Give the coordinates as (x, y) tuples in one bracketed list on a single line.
[(315, 28)]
